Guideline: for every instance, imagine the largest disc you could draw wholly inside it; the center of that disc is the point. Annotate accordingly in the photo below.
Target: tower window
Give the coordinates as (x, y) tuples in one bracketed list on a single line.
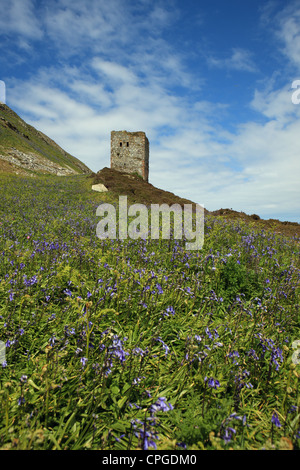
[(127, 144), (120, 144)]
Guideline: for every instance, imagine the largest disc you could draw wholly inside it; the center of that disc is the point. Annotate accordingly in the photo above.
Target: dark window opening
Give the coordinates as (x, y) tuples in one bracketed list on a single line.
[(120, 144), (127, 144)]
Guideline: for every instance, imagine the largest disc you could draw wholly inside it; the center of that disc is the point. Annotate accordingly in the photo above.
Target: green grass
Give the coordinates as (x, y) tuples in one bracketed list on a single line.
[(16, 133), (126, 344)]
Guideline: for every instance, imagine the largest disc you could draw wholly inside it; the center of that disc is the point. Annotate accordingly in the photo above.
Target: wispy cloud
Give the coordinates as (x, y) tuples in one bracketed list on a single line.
[(239, 59), (288, 32), (19, 18), (283, 20)]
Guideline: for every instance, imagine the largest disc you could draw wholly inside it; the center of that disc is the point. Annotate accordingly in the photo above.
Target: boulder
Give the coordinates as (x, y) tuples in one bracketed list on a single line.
[(99, 187)]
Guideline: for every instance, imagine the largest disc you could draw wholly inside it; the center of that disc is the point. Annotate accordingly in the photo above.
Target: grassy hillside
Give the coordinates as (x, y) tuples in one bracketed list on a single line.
[(18, 136), (140, 344)]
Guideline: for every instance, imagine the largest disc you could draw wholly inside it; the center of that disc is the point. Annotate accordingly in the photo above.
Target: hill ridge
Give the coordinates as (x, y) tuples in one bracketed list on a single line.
[(26, 150), (140, 191)]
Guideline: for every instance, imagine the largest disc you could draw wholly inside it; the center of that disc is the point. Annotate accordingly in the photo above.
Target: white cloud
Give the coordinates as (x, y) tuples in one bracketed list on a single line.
[(289, 33), (18, 17), (114, 72), (240, 59), (276, 104), (72, 25)]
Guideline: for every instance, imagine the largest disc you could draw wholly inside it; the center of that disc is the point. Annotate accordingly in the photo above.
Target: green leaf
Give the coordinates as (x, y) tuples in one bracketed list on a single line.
[(115, 390), (122, 401)]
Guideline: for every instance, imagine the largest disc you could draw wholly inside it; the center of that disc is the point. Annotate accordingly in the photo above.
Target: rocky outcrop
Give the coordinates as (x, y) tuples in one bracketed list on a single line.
[(36, 163), (26, 149)]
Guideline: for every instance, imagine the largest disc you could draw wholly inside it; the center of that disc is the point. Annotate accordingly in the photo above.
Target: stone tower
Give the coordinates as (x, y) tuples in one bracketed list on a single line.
[(130, 152)]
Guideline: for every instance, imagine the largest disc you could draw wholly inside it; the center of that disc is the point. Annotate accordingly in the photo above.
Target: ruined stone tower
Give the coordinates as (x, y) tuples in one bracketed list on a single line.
[(130, 152)]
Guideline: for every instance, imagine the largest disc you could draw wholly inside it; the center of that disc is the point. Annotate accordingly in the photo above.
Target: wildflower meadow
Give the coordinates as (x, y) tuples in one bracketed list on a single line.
[(141, 344)]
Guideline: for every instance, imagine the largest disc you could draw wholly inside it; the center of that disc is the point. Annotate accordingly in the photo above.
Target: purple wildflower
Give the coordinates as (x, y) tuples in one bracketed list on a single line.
[(116, 350), (228, 434), (275, 420), (145, 433), (21, 401), (169, 310), (68, 292), (165, 346), (212, 383), (30, 282), (83, 361), (161, 405)]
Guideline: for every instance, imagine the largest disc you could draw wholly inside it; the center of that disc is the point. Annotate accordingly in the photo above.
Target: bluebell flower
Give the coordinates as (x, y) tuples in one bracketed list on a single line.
[(208, 333), (68, 292), (139, 352), (165, 346), (29, 282), (181, 444), (159, 289), (228, 433), (275, 420), (293, 409), (170, 310), (233, 355), (212, 383), (83, 361), (70, 331), (145, 433), (161, 405)]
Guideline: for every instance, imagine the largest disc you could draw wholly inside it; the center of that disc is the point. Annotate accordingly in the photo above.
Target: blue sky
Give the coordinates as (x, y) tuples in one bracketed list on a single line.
[(209, 81)]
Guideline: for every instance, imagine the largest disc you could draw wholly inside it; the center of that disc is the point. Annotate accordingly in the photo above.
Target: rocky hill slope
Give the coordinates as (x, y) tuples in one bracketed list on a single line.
[(137, 190), (25, 150)]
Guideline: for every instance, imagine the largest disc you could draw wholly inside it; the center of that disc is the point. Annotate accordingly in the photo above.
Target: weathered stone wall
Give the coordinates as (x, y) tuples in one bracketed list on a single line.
[(130, 152)]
